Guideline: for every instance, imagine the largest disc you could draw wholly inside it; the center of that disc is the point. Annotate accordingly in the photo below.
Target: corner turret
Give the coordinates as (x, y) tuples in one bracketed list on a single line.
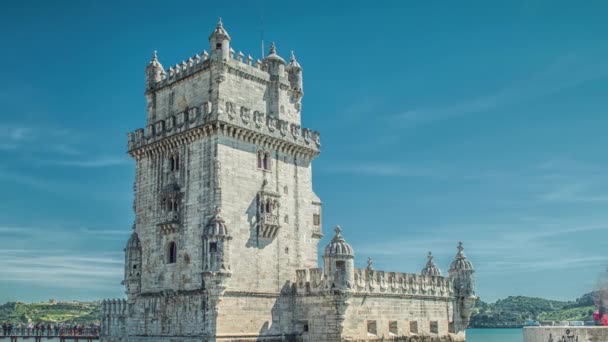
[(461, 273), (154, 72), (132, 280), (294, 71), (274, 62), (339, 262), (219, 42), (431, 269)]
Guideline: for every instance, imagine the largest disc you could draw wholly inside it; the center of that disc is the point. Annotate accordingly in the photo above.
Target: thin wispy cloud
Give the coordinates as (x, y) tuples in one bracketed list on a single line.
[(565, 72), (88, 163), (377, 169)]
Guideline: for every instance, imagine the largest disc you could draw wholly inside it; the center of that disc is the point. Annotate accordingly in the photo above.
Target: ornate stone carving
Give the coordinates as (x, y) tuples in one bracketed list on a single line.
[(258, 117), (245, 114), (283, 127), (295, 130), (272, 123), (230, 110), (207, 107), (307, 137)]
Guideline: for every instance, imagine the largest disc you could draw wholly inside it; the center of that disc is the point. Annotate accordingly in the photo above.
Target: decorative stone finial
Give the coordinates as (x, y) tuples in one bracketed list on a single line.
[(430, 269), (273, 48), (293, 56), (460, 250), (338, 230), (219, 22), (370, 264), (218, 211), (154, 56)]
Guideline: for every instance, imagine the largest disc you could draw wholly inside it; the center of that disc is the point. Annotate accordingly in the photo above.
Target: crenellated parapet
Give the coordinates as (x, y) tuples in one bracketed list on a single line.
[(114, 314), (313, 281), (411, 284), (240, 121)]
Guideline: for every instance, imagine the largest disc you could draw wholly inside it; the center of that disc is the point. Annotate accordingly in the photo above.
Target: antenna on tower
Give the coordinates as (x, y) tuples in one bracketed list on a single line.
[(262, 32)]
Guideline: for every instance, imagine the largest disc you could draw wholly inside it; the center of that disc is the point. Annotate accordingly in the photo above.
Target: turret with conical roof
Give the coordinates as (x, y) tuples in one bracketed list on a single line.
[(154, 72), (461, 273), (339, 262), (132, 279), (294, 71), (431, 269), (219, 42)]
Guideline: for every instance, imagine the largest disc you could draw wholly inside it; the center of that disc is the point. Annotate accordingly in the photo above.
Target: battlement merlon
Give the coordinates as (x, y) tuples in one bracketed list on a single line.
[(241, 123), (272, 86)]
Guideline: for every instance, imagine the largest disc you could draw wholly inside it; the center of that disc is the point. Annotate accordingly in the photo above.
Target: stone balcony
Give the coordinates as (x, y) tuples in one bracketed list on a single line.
[(168, 221), (269, 225)]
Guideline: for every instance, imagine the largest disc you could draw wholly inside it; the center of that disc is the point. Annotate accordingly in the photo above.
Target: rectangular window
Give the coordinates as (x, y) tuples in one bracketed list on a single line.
[(213, 247), (413, 327), (434, 325), (392, 327), (371, 328), (316, 219)]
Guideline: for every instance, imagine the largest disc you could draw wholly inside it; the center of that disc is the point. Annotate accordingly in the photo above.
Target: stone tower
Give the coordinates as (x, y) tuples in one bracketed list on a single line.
[(223, 185), (225, 240)]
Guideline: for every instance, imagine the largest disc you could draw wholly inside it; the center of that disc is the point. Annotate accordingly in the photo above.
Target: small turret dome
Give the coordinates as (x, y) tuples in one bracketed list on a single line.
[(460, 262), (154, 63), (134, 241), (273, 56), (293, 63), (219, 31), (217, 225), (431, 268), (338, 247)]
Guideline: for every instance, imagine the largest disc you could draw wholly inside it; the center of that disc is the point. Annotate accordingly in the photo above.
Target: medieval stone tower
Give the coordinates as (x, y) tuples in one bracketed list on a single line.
[(224, 244)]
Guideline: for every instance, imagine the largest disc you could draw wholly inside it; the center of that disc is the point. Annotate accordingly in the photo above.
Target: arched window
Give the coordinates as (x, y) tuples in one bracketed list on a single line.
[(174, 163), (266, 161), (172, 250), (259, 159), (268, 206)]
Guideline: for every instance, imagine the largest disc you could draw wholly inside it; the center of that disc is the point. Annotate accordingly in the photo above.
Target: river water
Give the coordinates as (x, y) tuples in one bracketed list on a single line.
[(494, 335)]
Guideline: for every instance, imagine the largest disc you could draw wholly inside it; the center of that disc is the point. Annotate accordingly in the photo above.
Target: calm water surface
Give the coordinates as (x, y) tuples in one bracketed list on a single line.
[(494, 335)]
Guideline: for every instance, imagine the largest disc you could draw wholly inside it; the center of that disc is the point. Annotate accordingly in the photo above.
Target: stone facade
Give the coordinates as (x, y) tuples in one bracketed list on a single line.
[(224, 244)]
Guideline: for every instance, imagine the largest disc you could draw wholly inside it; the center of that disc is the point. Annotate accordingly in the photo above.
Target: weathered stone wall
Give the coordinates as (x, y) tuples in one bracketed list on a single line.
[(382, 310), (261, 263), (565, 334), (195, 181)]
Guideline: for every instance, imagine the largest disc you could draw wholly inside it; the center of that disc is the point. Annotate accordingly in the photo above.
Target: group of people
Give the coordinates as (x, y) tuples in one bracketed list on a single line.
[(50, 329)]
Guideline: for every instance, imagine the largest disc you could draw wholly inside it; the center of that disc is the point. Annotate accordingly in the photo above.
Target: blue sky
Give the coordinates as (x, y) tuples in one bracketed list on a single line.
[(441, 121)]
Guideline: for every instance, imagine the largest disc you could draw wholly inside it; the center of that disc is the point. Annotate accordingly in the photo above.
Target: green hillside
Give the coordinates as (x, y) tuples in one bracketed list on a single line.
[(49, 312), (513, 311)]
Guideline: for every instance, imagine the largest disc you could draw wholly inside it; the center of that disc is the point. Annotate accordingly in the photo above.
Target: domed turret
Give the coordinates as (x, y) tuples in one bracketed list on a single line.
[(275, 63), (461, 263), (134, 242), (294, 71), (154, 72), (219, 42), (339, 262), (431, 268), (463, 281), (132, 279), (216, 226), (215, 245), (338, 247)]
